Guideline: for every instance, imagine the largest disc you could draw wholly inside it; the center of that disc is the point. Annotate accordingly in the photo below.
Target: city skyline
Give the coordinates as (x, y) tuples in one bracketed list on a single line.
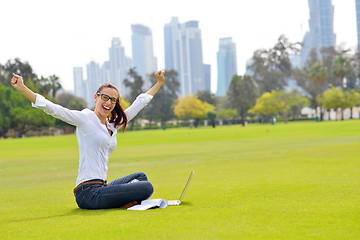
[(53, 44)]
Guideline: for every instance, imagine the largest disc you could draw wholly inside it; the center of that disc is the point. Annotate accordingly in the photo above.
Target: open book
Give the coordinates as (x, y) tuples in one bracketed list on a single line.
[(150, 203), (162, 203)]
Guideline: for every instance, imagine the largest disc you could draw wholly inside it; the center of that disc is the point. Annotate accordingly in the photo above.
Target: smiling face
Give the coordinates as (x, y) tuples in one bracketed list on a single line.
[(103, 108)]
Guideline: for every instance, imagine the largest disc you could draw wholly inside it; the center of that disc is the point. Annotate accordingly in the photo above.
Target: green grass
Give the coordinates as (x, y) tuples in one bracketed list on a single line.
[(294, 181)]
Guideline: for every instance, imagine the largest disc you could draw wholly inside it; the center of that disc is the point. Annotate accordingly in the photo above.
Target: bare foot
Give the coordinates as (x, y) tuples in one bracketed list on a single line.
[(130, 204)]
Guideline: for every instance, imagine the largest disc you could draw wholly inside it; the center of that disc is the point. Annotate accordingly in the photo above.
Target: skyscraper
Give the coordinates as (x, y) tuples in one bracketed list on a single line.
[(142, 52), (321, 25), (358, 22), (183, 53), (226, 64), (119, 65), (93, 82), (79, 83)]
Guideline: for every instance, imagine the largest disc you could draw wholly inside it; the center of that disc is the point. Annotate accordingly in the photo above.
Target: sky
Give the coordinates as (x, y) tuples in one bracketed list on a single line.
[(54, 36)]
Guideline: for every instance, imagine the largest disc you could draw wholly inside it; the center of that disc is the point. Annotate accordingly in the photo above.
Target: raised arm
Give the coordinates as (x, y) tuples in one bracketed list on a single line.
[(143, 99), (18, 83), (72, 117), (160, 81)]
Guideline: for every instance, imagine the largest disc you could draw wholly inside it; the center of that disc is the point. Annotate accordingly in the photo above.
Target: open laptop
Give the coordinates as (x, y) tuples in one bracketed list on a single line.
[(178, 202)]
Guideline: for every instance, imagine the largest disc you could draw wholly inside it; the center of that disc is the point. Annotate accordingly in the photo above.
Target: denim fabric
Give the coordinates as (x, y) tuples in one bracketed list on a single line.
[(118, 192)]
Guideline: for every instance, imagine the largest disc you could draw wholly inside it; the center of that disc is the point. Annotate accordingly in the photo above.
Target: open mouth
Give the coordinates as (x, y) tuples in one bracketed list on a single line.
[(106, 108)]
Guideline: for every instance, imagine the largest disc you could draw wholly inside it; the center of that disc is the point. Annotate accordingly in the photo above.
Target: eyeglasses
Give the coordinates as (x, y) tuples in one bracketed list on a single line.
[(106, 98)]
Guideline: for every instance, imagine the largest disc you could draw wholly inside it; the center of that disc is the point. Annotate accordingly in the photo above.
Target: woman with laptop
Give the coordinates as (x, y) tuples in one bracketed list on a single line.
[(96, 134)]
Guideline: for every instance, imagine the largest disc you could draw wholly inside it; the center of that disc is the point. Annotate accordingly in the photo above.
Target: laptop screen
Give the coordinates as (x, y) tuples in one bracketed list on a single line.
[(187, 185)]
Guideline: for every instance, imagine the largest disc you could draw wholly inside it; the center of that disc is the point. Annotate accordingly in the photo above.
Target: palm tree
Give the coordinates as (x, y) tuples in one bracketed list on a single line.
[(317, 75), (342, 69), (55, 84)]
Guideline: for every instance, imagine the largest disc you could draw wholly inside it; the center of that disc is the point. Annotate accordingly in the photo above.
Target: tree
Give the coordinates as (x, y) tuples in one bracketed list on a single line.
[(160, 108), (352, 99), (68, 99), (135, 85), (190, 107), (272, 67), (242, 95), (211, 116), (341, 68), (296, 102), (312, 79), (269, 105), (135, 89), (16, 113), (335, 98), (207, 96), (44, 86), (55, 84), (332, 98), (18, 67), (227, 113)]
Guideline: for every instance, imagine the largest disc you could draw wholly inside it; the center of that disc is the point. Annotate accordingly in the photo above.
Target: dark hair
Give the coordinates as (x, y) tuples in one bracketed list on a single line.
[(118, 116)]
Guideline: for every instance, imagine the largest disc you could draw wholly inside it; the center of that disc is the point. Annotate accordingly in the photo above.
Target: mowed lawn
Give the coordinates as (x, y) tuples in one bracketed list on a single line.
[(283, 181)]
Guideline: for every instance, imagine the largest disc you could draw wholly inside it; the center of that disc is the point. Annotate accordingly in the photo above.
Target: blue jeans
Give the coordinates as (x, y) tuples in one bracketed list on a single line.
[(118, 192)]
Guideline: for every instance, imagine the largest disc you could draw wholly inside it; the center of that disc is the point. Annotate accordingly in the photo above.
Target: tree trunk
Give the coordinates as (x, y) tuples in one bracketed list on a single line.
[(196, 122)]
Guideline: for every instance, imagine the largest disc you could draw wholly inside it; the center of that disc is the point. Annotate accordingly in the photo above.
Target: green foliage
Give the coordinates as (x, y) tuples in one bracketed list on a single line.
[(227, 113), (190, 107), (270, 104), (70, 101), (271, 67), (335, 98), (242, 94), (341, 69), (16, 112), (211, 116), (160, 107), (135, 85), (207, 96)]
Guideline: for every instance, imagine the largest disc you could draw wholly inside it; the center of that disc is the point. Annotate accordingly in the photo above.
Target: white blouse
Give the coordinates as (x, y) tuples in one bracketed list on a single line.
[(95, 142)]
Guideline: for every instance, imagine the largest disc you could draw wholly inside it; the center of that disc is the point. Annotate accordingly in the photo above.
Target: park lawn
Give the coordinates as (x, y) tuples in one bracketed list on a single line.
[(283, 181)]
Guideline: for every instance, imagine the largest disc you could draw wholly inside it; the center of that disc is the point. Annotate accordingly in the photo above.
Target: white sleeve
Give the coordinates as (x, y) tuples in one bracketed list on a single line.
[(141, 101), (72, 117)]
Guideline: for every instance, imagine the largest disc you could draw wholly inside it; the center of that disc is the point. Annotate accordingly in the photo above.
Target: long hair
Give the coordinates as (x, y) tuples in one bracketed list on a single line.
[(117, 116)]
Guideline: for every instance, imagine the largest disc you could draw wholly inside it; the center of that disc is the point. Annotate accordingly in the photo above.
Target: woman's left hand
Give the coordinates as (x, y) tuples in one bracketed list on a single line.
[(160, 76)]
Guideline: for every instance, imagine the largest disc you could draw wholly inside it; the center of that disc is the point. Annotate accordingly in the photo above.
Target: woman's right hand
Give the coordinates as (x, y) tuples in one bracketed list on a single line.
[(17, 82)]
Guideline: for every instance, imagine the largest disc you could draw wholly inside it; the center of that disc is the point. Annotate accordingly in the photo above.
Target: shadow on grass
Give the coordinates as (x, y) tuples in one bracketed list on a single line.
[(80, 212), (186, 203), (73, 212)]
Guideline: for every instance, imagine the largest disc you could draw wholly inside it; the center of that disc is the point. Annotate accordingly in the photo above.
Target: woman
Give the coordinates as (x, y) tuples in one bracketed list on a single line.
[(96, 134)]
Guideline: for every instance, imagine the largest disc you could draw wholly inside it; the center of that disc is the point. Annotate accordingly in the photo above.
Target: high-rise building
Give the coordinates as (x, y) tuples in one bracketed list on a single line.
[(321, 25), (79, 83), (105, 72), (119, 65), (93, 82), (226, 65), (207, 77), (142, 52), (183, 53), (358, 22)]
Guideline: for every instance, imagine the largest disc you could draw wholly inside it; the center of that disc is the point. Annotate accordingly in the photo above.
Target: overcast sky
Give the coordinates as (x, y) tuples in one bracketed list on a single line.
[(55, 36)]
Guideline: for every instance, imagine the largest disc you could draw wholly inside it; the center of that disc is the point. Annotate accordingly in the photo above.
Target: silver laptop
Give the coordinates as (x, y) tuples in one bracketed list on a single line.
[(178, 202)]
